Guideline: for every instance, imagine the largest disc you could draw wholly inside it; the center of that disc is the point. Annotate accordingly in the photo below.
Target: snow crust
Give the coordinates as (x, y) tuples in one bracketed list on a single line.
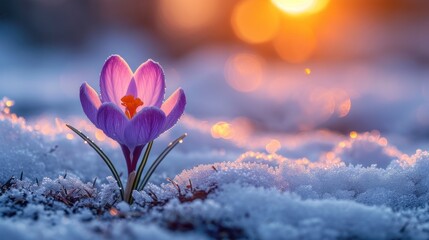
[(361, 188)]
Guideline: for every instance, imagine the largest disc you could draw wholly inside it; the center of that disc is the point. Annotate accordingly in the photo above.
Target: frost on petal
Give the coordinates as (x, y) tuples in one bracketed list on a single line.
[(112, 121), (174, 108), (145, 126), (90, 102), (150, 83), (115, 79)]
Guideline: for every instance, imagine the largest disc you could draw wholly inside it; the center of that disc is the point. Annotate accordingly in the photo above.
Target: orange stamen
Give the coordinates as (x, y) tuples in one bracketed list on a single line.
[(131, 104)]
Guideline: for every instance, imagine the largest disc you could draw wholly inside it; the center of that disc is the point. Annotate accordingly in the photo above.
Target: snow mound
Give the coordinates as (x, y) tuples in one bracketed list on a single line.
[(398, 186), (270, 214), (47, 148), (367, 149), (21, 148)]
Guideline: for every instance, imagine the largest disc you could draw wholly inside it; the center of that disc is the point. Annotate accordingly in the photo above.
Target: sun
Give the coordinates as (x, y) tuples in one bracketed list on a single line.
[(297, 7)]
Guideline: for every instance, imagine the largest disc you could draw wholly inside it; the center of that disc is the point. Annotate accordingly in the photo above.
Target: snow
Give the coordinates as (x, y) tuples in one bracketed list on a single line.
[(400, 185), (361, 187), (73, 228), (270, 214)]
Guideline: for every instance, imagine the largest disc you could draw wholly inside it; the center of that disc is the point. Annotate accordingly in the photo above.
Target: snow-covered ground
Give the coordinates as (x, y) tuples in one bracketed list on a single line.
[(360, 187)]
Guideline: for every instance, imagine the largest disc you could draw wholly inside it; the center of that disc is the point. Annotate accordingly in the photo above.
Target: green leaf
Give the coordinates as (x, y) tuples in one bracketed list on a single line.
[(159, 160), (103, 156), (141, 168)]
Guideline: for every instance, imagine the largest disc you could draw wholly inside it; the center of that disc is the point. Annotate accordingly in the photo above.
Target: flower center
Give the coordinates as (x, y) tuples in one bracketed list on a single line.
[(131, 104)]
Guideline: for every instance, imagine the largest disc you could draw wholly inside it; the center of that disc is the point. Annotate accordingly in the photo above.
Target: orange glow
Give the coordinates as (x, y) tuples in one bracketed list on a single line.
[(69, 136), (242, 130), (273, 146), (6, 110), (244, 71), (255, 21), (99, 135), (46, 130), (113, 211), (353, 134), (342, 102), (187, 16), (382, 141), (375, 133), (307, 71), (295, 43), (318, 6), (9, 103), (343, 108), (222, 130), (330, 155), (295, 7), (131, 104)]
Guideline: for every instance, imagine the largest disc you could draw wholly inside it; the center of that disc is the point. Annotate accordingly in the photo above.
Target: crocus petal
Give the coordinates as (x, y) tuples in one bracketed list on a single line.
[(90, 102), (132, 88), (112, 121), (174, 108), (115, 79), (145, 126), (150, 83)]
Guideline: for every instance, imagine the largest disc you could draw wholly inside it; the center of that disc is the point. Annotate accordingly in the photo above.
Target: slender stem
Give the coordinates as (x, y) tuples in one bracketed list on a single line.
[(128, 187), (159, 160), (141, 167), (103, 156)]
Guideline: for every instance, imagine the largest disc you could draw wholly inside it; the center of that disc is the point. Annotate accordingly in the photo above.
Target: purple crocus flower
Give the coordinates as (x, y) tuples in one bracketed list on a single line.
[(131, 109)]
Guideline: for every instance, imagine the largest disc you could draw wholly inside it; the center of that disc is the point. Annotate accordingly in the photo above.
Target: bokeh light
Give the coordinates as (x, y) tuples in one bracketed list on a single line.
[(353, 134), (295, 7), (343, 108), (307, 71), (255, 21), (273, 146), (383, 141), (69, 136), (244, 72), (222, 130), (99, 135), (9, 103), (343, 103), (187, 16)]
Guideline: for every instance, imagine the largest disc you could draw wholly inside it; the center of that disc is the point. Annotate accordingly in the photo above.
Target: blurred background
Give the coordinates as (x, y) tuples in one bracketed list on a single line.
[(248, 67)]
